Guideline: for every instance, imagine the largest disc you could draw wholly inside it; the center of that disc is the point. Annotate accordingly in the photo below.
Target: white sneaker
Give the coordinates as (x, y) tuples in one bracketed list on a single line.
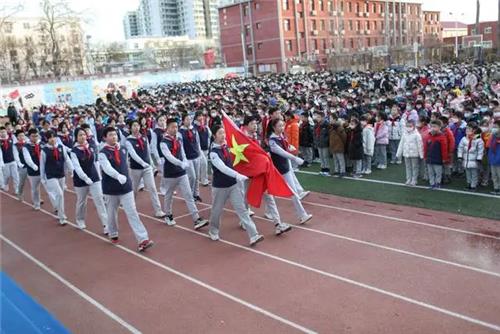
[(37, 207), (305, 219), (282, 228), (304, 194), (160, 214), (62, 222), (81, 224), (200, 223), (268, 216), (251, 213), (214, 237), (169, 220), (382, 167), (105, 230), (242, 226), (367, 172), (254, 240)]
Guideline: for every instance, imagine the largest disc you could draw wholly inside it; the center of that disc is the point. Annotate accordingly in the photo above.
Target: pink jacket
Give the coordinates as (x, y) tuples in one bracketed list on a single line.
[(381, 133)]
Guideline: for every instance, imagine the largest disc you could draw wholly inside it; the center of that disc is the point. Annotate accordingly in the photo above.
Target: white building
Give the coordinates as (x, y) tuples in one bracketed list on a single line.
[(132, 25), (191, 18)]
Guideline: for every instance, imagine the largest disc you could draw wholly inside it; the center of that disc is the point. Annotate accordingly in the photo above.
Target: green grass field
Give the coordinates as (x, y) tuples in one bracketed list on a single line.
[(464, 204)]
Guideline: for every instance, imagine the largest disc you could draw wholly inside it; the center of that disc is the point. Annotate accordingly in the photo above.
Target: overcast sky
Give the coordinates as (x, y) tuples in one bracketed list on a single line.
[(106, 16)]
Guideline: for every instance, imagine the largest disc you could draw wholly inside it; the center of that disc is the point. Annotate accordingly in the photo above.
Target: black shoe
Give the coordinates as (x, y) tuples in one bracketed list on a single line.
[(200, 223), (197, 199)]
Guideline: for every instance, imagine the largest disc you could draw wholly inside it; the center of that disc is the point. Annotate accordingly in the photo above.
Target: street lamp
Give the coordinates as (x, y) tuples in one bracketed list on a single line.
[(452, 14)]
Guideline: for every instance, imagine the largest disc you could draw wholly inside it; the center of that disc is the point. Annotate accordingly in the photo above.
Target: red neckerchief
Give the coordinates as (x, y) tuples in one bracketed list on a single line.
[(37, 151), (175, 144), (20, 144), (116, 152), (377, 126), (224, 151), (202, 127), (190, 135), (284, 142), (5, 144), (56, 153), (86, 150), (140, 142), (471, 138)]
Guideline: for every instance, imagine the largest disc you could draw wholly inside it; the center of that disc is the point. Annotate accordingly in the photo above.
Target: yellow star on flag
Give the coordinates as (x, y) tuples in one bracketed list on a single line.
[(237, 150)]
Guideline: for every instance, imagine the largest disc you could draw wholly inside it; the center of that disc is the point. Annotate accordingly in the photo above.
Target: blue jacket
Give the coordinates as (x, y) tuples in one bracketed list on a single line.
[(494, 151)]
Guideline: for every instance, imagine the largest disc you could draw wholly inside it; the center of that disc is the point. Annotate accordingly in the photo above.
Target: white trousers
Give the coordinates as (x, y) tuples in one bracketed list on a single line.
[(147, 176), (95, 191), (193, 172), (128, 203), (9, 170), (271, 209), (290, 180), (235, 195), (35, 190), (182, 183), (55, 190), (23, 175), (203, 173)]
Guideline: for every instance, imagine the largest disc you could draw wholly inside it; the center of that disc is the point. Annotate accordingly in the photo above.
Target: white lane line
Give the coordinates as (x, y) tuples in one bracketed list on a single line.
[(190, 278), (79, 292), (404, 185), (349, 281), (402, 220)]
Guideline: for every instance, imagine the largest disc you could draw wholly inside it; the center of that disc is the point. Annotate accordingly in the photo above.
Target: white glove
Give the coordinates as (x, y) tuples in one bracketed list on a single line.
[(162, 161), (241, 178), (184, 164), (292, 148), (147, 167), (43, 181), (88, 181), (36, 168), (20, 165), (122, 179), (299, 161)]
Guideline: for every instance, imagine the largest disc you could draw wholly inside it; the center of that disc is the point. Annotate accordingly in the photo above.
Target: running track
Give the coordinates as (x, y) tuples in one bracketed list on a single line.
[(357, 267)]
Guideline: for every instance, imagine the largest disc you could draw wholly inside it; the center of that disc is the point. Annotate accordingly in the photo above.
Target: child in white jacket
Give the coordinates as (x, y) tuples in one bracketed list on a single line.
[(411, 147), (368, 145), (470, 151)]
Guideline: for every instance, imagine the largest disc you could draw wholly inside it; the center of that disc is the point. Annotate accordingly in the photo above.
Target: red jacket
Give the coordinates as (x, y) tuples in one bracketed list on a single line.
[(450, 140), (436, 149)]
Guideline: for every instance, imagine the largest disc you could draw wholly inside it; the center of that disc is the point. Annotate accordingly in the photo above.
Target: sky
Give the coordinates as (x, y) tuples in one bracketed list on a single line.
[(106, 16)]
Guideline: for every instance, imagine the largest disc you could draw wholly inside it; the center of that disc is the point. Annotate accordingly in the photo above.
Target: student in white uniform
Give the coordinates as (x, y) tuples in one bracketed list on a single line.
[(281, 158), (204, 134), (140, 165), (54, 162), (32, 153), (22, 168), (117, 188), (86, 180), (9, 161), (192, 149), (156, 138), (225, 186), (174, 175), (271, 209)]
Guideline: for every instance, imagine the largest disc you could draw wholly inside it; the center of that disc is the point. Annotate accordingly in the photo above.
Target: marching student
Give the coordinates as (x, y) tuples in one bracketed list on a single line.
[(192, 149), (281, 159), (271, 212), (64, 135), (156, 138), (32, 154), (86, 180), (9, 161), (204, 134), (174, 175), (225, 186), (22, 168), (53, 163), (140, 165), (117, 188)]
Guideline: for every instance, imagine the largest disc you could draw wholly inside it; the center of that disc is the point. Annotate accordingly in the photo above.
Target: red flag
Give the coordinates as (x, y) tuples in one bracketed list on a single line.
[(14, 95), (252, 161)]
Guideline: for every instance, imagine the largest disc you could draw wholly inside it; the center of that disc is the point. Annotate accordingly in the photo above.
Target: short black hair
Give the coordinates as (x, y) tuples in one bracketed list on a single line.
[(171, 120), (32, 131), (107, 130), (18, 132), (2, 128), (49, 134)]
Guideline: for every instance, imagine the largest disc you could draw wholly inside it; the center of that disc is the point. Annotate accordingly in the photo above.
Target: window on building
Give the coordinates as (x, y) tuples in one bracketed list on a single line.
[(352, 43), (487, 30), (315, 44), (245, 10), (358, 25), (342, 6), (368, 42), (332, 25), (349, 7), (249, 49), (259, 46), (330, 6), (302, 35), (473, 31), (247, 30), (321, 5), (257, 6), (285, 5), (323, 28), (289, 46), (258, 25), (313, 6), (286, 24), (357, 7), (324, 44), (313, 24), (26, 25), (7, 27)]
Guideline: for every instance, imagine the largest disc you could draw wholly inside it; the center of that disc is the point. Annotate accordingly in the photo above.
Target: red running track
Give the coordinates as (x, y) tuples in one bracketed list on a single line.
[(387, 269)]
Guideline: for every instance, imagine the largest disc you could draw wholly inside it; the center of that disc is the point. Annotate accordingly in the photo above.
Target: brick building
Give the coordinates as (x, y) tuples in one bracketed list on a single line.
[(488, 30), (271, 35), (433, 31)]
